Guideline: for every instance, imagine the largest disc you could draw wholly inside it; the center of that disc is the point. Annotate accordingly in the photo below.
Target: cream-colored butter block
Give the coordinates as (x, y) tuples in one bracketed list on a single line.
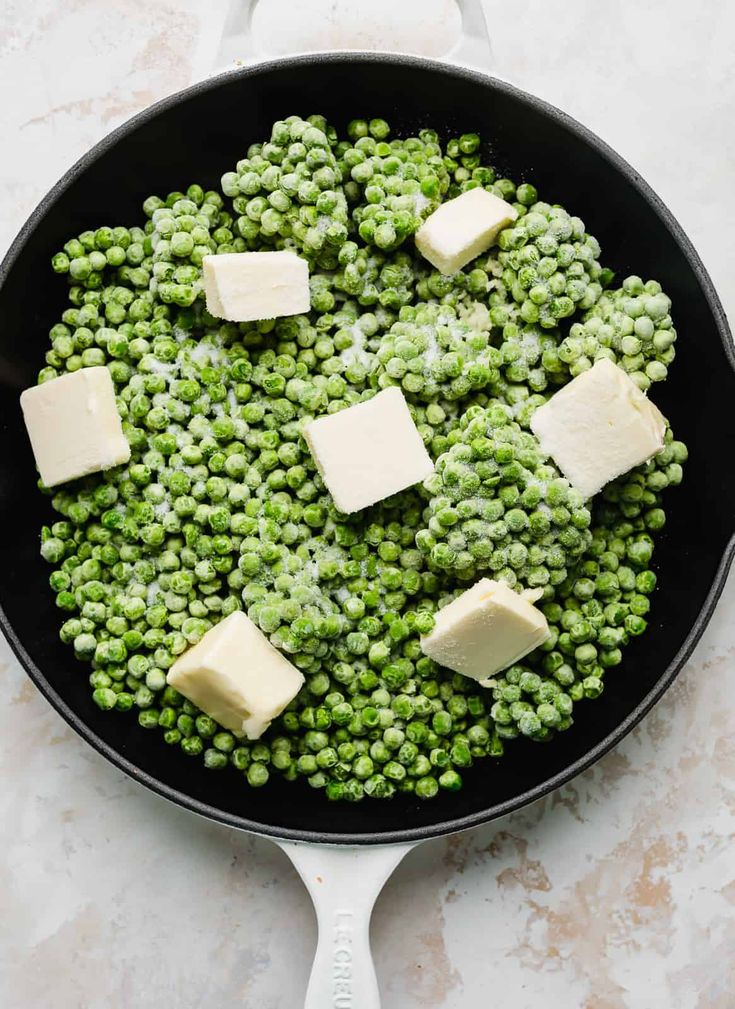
[(486, 629), (369, 451), (74, 425), (598, 427), (236, 676), (463, 228), (248, 286)]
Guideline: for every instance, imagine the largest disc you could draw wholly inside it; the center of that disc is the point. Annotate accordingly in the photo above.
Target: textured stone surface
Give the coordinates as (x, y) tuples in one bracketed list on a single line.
[(617, 892)]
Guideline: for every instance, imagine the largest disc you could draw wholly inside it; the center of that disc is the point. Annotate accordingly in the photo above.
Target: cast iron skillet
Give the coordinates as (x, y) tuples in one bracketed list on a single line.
[(195, 136)]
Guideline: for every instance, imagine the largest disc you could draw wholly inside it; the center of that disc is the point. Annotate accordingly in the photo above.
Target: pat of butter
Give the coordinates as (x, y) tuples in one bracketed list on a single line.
[(249, 286), (369, 451), (74, 425), (463, 228), (486, 629), (236, 676), (598, 427)]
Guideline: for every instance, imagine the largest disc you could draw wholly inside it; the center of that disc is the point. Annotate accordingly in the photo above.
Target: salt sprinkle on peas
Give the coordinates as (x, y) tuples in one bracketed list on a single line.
[(221, 507)]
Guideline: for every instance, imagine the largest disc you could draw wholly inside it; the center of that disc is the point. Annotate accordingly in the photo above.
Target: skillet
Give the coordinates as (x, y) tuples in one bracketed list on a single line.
[(528, 140)]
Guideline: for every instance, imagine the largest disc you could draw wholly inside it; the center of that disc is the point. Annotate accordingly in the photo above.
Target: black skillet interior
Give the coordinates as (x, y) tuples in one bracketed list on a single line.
[(197, 135)]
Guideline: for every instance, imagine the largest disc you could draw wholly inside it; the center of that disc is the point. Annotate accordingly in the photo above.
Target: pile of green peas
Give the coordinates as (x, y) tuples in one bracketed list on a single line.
[(498, 506), (221, 506), (433, 354), (550, 265), (394, 184), (631, 326)]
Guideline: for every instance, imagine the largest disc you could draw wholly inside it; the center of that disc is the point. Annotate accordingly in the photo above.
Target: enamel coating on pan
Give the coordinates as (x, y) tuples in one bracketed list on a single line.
[(531, 140)]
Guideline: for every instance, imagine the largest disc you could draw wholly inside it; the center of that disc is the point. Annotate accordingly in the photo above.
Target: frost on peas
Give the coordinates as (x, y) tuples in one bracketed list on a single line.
[(375, 278)]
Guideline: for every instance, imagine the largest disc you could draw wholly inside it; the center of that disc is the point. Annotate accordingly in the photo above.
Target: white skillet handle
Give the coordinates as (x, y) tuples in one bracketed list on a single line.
[(344, 883), (239, 44), (474, 47)]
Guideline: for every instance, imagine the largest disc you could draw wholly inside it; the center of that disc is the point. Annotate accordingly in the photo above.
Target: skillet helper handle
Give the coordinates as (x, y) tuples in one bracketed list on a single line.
[(474, 47), (452, 30), (344, 883)]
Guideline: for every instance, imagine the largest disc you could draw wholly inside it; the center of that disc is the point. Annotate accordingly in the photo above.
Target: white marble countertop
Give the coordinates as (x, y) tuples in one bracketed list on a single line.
[(618, 892)]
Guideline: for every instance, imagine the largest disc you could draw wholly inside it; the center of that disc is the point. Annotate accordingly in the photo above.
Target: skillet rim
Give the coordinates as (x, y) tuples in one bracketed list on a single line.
[(668, 675)]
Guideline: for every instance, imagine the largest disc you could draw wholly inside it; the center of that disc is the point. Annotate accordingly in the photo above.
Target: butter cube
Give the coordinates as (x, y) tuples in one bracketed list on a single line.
[(74, 425), (248, 286), (462, 228), (236, 676), (369, 451), (598, 427), (486, 629)]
